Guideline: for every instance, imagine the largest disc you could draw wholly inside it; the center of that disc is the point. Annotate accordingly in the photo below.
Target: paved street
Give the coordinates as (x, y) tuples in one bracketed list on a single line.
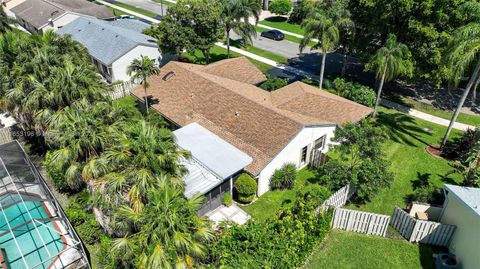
[(283, 48), (149, 5)]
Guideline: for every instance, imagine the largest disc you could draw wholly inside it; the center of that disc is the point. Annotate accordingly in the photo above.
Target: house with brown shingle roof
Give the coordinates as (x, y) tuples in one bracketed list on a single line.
[(293, 124)]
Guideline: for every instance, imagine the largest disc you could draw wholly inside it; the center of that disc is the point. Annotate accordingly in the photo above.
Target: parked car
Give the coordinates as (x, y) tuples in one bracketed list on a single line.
[(273, 34)]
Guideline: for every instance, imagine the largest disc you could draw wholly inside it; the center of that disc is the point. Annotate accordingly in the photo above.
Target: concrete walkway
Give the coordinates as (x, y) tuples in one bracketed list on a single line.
[(230, 213), (424, 116)]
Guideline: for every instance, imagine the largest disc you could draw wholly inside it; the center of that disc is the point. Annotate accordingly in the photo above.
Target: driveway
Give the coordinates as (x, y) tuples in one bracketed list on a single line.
[(149, 5)]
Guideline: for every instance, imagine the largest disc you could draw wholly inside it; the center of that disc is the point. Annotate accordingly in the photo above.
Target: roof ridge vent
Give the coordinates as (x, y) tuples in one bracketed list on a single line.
[(169, 76)]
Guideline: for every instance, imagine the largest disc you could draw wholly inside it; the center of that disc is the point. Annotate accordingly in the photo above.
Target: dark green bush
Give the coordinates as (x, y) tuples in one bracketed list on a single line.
[(428, 194), (89, 231), (284, 178), (227, 199), (356, 92), (274, 84), (299, 12), (283, 242), (104, 253), (281, 7), (460, 147), (57, 175), (246, 188)]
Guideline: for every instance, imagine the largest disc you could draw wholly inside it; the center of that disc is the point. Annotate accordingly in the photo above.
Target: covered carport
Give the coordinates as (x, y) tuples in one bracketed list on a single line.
[(213, 165)]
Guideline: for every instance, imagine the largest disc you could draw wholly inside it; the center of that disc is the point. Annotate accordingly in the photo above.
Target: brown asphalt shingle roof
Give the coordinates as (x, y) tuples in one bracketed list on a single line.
[(38, 12), (257, 122)]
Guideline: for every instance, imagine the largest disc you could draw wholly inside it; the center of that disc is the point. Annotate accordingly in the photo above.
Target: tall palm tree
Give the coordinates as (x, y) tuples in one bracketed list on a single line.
[(389, 61), (463, 53), (235, 17), (319, 25), (140, 69), (167, 234), (79, 134), (135, 163)]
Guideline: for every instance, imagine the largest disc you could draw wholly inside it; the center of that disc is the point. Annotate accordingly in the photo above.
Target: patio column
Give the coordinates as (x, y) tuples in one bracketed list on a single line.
[(231, 185)]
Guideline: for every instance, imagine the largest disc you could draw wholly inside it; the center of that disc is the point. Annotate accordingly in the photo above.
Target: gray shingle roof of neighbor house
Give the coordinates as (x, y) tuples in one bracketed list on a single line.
[(468, 195), (38, 12), (107, 41)]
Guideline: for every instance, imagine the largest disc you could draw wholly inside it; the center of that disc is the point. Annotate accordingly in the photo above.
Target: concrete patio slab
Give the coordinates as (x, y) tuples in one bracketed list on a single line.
[(231, 213)]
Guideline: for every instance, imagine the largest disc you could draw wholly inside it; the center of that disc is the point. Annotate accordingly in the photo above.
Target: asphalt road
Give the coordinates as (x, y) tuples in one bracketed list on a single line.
[(149, 5)]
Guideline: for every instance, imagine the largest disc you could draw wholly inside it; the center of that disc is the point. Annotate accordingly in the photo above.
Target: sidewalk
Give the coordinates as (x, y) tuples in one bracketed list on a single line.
[(425, 116)]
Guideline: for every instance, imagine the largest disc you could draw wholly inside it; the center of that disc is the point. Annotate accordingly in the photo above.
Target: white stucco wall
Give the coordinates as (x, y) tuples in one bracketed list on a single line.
[(119, 67), (465, 243), (292, 153)]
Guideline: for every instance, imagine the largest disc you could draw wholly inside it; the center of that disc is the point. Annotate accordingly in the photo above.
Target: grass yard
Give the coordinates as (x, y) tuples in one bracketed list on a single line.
[(218, 53), (282, 24), (445, 114), (409, 161), (352, 250), (268, 204)]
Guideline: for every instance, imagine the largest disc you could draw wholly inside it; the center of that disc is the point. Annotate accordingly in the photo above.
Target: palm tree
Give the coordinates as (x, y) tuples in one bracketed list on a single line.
[(142, 154), (140, 69), (81, 133), (167, 234), (388, 62), (463, 52), (235, 17), (321, 25)]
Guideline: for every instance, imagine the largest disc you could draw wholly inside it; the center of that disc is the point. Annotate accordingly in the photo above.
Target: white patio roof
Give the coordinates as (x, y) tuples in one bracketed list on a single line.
[(199, 179), (216, 154)]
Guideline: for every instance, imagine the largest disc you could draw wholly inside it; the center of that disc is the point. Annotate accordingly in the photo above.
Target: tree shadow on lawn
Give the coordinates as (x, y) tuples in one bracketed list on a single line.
[(421, 181), (276, 19), (401, 128)]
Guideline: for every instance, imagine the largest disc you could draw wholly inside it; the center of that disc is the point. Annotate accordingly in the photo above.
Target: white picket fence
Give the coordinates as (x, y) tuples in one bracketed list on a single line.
[(121, 90), (339, 198), (360, 222), (423, 231), (5, 135)]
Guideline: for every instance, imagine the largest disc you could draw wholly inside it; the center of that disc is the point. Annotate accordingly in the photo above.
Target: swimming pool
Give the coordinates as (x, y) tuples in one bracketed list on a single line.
[(36, 241)]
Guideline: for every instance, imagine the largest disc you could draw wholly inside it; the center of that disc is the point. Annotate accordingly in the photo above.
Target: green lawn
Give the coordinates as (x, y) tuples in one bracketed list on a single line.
[(218, 53), (351, 250), (409, 161), (269, 203), (283, 25), (445, 114)]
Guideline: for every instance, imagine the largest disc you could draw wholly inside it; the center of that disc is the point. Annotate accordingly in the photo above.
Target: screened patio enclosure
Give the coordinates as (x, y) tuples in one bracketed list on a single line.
[(34, 232)]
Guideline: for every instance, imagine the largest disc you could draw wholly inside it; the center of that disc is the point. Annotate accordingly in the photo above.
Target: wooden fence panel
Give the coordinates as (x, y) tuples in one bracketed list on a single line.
[(360, 222), (402, 222), (121, 90), (423, 231), (339, 198)]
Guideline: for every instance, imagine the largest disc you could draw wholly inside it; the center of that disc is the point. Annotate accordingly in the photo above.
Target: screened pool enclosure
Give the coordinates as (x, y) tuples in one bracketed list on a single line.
[(34, 232)]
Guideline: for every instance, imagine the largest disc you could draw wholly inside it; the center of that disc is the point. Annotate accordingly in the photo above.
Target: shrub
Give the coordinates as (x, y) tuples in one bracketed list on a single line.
[(57, 175), (428, 194), (283, 242), (284, 178), (356, 92), (246, 188), (227, 199), (273, 84), (90, 231), (460, 147), (281, 7), (299, 12)]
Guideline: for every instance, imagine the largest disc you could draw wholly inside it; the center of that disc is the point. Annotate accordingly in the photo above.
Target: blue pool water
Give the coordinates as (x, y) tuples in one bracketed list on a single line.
[(27, 236)]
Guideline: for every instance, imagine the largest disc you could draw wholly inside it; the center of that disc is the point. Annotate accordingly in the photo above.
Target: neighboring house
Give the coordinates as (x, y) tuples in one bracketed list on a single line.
[(213, 165), (462, 208), (291, 125), (38, 16), (113, 45)]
